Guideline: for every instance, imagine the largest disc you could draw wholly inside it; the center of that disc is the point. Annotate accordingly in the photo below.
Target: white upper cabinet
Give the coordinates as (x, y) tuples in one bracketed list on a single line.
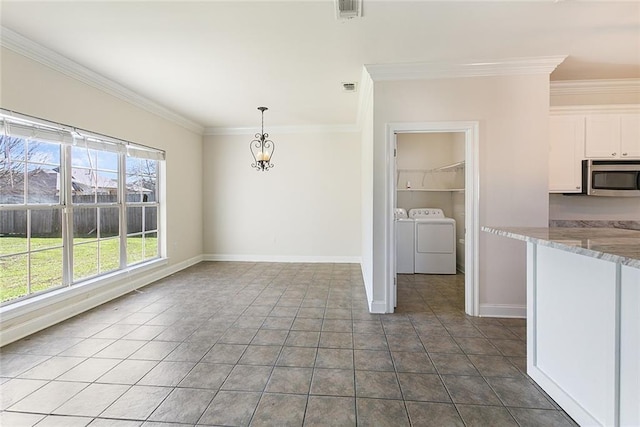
[(566, 147), (602, 136), (589, 132), (612, 136), (630, 135)]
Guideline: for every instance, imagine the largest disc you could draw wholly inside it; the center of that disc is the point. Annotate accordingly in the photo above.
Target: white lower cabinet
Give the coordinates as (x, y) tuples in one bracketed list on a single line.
[(583, 336), (630, 347)]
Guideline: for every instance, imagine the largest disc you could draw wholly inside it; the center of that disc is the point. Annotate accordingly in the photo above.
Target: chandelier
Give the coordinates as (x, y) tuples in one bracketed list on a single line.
[(262, 148)]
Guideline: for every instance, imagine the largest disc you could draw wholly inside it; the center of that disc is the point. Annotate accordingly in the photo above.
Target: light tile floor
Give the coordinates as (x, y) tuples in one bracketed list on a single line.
[(260, 344)]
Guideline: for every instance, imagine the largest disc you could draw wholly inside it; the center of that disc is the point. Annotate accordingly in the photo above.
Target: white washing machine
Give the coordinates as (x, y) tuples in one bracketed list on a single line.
[(405, 242), (435, 241)]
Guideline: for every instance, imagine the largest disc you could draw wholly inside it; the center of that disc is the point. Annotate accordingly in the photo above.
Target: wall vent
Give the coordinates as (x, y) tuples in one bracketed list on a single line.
[(348, 9), (349, 86)]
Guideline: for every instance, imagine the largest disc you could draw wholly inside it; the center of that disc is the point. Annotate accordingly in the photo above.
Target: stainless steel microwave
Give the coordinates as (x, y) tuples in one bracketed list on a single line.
[(615, 178)]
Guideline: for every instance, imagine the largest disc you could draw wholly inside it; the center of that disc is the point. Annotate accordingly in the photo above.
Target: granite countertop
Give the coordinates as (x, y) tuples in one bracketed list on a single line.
[(609, 244)]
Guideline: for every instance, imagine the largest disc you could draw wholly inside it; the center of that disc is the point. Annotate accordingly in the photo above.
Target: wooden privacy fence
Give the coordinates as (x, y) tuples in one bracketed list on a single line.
[(48, 222)]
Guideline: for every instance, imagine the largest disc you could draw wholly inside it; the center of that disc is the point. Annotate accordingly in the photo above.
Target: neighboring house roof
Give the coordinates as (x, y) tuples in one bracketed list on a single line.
[(46, 183), (91, 179)]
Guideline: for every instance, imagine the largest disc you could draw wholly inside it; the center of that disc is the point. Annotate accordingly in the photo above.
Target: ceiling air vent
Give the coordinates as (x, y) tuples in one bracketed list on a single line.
[(349, 87), (348, 9)]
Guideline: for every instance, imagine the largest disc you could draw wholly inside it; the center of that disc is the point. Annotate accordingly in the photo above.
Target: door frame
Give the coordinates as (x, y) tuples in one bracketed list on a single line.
[(472, 204)]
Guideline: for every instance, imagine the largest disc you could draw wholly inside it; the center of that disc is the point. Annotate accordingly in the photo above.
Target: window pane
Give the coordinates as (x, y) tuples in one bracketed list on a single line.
[(109, 255), (46, 228), (107, 161), (43, 172), (107, 187), (135, 166), (12, 182), (83, 185), (85, 223), (134, 249), (150, 245), (150, 188), (109, 222), (46, 269), (134, 220), (85, 260), (84, 157), (142, 180), (13, 280), (45, 153), (13, 232), (150, 218), (12, 169), (12, 149), (43, 184), (135, 192), (91, 186)]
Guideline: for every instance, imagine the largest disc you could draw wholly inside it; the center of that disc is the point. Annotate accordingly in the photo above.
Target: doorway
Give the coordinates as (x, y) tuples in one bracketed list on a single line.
[(465, 191)]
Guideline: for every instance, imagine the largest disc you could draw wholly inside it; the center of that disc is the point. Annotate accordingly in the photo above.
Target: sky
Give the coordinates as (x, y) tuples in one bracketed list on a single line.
[(43, 153)]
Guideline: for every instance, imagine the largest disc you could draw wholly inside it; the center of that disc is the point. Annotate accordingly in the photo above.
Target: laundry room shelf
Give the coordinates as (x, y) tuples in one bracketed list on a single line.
[(446, 168), (431, 189)]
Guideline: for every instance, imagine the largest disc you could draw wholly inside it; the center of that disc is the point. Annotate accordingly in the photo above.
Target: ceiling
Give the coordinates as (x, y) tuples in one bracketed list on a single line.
[(214, 62)]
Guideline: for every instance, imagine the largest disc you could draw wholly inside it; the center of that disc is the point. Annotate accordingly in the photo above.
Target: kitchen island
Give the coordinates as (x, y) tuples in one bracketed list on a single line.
[(583, 319)]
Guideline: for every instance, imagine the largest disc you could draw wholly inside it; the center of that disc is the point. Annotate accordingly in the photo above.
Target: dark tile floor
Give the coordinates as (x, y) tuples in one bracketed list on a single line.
[(275, 345)]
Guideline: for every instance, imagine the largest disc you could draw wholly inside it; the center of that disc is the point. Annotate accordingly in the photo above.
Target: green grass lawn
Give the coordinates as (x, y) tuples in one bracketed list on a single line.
[(90, 258)]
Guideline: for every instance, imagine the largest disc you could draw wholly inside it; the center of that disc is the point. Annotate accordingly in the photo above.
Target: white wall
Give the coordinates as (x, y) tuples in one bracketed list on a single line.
[(306, 208), (593, 208), (429, 150), (458, 144), (366, 185), (513, 116), (593, 98), (459, 207)]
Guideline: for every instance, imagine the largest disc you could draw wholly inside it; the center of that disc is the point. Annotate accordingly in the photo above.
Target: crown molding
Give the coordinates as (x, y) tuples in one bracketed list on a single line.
[(281, 130), (595, 87), (25, 47), (443, 70)]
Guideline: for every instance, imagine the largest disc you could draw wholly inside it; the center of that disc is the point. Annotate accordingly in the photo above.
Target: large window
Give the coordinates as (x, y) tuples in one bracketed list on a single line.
[(73, 205)]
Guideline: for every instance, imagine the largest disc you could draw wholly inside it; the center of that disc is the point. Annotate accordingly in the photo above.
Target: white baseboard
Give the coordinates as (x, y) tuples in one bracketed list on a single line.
[(503, 310), (377, 307), (35, 314), (570, 405), (283, 258)]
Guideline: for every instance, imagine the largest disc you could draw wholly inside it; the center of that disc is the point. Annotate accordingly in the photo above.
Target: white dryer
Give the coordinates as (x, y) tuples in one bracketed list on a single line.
[(435, 241), (405, 242)]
